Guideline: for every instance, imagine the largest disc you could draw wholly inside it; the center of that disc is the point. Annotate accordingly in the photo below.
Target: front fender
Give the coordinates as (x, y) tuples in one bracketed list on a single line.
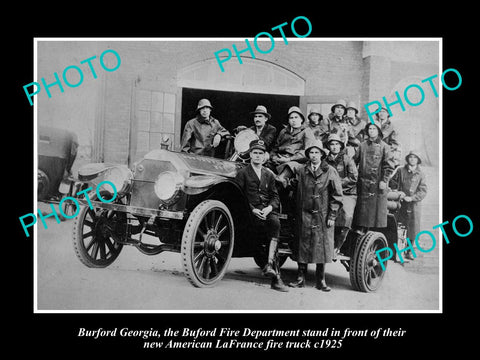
[(200, 183), (228, 192), (91, 171)]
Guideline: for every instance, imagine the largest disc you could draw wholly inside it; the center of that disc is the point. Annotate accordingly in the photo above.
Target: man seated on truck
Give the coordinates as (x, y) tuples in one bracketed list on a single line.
[(288, 153), (259, 186), (203, 133)]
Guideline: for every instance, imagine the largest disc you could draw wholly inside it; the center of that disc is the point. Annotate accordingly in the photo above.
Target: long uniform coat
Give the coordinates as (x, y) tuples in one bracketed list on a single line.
[(390, 134), (198, 135), (375, 164), (333, 125), (318, 198), (317, 130), (413, 184), (347, 170), (292, 143), (357, 127), (390, 137)]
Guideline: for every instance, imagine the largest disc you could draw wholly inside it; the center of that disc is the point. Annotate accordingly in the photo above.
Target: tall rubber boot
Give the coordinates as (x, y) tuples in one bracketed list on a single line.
[(300, 282), (269, 269), (277, 283), (320, 278)]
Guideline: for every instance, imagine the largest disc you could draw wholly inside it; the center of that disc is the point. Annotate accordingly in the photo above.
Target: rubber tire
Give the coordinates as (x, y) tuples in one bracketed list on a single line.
[(358, 262), (79, 246), (187, 247)]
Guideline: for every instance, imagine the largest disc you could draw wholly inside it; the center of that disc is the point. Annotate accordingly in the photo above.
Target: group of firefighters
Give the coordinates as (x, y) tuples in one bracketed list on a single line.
[(340, 167)]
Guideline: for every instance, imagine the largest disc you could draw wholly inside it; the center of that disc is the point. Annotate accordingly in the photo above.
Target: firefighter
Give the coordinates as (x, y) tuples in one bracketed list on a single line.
[(410, 181), (375, 166), (259, 186), (203, 133), (314, 123), (288, 154), (318, 200), (390, 134), (347, 170)]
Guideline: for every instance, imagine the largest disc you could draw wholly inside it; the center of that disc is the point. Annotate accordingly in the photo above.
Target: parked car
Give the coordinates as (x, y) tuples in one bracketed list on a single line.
[(57, 151), (190, 204)]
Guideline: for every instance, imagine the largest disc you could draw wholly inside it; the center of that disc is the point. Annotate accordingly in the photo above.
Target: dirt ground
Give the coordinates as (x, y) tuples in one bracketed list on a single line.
[(137, 282)]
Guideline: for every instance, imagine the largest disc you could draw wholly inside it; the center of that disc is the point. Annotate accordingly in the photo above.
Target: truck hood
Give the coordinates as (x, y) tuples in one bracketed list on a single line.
[(197, 164)]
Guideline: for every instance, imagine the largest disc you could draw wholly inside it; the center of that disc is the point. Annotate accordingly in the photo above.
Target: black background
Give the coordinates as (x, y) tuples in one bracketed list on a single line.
[(55, 335)]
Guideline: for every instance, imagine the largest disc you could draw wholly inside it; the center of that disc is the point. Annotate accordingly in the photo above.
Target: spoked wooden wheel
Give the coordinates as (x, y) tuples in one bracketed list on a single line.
[(92, 236), (207, 243), (366, 272)]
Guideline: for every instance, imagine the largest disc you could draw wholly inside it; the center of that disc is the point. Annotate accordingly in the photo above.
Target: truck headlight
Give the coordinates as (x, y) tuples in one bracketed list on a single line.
[(167, 185), (120, 176)]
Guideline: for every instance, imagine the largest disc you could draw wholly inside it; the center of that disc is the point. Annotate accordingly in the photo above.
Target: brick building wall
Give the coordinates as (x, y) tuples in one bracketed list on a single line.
[(122, 114), (330, 70)]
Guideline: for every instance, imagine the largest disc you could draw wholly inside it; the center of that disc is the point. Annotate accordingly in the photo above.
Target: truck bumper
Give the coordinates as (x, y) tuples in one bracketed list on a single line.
[(134, 210)]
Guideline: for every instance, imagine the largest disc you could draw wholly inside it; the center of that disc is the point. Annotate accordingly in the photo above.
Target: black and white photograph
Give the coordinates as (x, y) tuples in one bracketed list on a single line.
[(238, 180), (204, 174)]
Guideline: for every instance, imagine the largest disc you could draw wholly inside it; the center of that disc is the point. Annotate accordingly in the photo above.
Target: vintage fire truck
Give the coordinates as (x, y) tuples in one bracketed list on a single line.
[(191, 205)]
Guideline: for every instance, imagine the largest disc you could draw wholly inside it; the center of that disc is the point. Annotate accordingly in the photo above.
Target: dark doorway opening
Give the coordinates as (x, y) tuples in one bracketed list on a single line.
[(233, 108)]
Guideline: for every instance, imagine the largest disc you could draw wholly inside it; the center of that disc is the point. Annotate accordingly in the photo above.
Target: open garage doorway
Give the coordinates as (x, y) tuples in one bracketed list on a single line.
[(233, 108)]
